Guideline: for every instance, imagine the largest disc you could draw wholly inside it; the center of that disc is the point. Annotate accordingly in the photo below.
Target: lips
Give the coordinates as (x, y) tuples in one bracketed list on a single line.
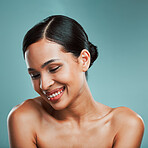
[(55, 94)]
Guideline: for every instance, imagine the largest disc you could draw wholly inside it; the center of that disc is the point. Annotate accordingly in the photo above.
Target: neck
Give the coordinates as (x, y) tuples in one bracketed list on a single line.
[(81, 109)]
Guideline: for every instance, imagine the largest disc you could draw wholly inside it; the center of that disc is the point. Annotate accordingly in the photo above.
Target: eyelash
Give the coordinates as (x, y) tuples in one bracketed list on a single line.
[(54, 69), (36, 76)]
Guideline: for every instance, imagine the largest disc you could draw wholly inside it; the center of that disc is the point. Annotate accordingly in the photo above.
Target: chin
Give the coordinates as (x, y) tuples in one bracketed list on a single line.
[(59, 106)]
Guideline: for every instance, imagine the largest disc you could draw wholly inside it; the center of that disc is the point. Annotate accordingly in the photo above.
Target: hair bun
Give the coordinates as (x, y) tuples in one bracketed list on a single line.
[(93, 52)]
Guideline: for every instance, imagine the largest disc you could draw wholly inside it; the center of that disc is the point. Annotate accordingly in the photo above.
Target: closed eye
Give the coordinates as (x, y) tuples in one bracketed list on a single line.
[(54, 69), (35, 76)]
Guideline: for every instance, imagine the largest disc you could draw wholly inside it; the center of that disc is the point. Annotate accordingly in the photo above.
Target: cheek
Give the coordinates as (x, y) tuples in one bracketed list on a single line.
[(36, 86), (70, 76)]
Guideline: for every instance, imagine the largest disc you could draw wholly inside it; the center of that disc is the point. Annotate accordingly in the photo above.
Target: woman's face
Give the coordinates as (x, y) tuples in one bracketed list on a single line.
[(56, 75)]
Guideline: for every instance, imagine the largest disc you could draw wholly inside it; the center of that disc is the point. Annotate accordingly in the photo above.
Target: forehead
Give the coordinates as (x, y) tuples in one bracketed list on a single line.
[(43, 47), (44, 50)]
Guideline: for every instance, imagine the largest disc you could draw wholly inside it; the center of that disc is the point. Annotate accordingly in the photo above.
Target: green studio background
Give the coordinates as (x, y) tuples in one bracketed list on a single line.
[(119, 28)]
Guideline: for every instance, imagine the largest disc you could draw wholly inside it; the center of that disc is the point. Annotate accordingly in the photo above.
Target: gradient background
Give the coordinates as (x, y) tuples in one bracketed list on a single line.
[(119, 28)]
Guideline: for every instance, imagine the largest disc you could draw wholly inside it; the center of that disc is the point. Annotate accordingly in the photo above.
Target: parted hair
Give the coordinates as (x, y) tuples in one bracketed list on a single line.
[(64, 31)]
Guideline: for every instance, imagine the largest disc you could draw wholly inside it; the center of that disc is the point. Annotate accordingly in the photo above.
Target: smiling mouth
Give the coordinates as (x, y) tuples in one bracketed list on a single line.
[(56, 94)]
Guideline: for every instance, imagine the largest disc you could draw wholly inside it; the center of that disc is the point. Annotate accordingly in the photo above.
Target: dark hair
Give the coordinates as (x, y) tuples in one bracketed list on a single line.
[(64, 31)]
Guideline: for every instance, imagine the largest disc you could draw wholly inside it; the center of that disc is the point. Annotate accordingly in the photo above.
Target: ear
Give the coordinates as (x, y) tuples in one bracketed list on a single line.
[(84, 59)]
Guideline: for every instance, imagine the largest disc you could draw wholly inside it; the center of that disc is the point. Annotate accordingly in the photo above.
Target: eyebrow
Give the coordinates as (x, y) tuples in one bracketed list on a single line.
[(48, 62), (45, 64), (31, 69)]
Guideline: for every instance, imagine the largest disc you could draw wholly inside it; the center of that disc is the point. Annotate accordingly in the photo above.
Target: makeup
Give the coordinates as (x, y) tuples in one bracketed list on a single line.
[(55, 95)]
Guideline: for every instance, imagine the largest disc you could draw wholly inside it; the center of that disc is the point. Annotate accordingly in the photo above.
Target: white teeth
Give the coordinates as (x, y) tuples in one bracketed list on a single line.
[(55, 94)]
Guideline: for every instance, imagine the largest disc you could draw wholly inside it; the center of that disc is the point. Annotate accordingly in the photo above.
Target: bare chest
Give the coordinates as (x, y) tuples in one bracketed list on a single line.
[(100, 136)]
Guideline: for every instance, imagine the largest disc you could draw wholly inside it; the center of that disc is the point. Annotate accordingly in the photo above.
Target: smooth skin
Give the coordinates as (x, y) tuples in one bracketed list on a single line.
[(76, 120)]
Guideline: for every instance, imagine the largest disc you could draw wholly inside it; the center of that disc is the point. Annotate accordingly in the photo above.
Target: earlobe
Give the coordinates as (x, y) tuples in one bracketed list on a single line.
[(85, 59)]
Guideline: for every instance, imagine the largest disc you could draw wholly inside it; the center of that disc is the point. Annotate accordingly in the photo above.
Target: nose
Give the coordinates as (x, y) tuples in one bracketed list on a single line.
[(46, 82)]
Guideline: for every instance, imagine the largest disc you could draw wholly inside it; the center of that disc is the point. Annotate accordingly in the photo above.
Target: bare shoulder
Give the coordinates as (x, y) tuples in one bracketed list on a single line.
[(26, 111), (28, 105), (126, 116), (129, 127), (22, 123)]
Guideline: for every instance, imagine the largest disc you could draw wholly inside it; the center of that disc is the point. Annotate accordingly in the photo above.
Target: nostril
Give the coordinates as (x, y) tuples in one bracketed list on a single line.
[(46, 82)]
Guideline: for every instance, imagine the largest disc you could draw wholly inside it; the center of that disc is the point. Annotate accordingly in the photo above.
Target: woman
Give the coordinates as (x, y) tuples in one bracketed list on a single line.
[(65, 115)]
